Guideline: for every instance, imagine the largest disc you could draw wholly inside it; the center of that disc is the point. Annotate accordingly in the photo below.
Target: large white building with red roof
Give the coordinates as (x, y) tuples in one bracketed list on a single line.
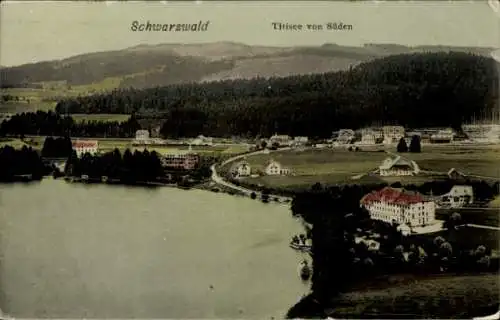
[(401, 206), (85, 146)]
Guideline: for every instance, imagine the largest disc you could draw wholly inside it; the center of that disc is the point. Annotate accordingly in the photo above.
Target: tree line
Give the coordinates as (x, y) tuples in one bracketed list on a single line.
[(21, 162), (413, 90), (133, 167), (54, 124)]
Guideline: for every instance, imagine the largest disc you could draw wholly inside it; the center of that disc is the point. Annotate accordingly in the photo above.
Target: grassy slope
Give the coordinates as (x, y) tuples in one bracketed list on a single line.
[(435, 297)]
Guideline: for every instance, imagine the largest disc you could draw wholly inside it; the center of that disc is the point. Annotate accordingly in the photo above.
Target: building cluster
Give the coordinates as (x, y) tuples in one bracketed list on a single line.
[(272, 168), (282, 140), (486, 133)]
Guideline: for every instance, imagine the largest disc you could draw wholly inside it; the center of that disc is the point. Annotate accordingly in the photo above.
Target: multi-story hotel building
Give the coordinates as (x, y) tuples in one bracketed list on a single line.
[(85, 146), (185, 161), (400, 206)]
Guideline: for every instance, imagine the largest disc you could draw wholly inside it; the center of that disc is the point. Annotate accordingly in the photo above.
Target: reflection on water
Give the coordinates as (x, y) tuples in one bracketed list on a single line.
[(98, 251)]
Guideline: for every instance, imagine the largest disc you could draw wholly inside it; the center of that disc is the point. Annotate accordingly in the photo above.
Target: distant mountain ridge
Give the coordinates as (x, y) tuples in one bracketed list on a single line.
[(146, 66)]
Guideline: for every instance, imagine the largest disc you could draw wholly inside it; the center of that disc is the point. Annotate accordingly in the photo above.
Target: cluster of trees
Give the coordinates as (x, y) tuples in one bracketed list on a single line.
[(415, 145), (131, 167), (54, 124), (413, 90), (22, 162), (134, 167), (60, 147)]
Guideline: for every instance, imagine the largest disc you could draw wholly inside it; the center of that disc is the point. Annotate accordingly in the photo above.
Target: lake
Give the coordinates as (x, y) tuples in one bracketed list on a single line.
[(84, 251)]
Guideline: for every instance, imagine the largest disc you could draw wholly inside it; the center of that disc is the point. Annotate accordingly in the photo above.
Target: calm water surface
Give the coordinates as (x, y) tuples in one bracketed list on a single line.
[(70, 250)]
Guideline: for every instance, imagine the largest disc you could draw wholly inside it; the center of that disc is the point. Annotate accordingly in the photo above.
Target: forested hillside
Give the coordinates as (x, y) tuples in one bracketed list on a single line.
[(132, 66), (431, 89), (147, 66)]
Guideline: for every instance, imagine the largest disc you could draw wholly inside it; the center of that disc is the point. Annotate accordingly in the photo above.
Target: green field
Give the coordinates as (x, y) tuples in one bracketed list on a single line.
[(457, 297), (338, 165), (15, 143), (100, 117)]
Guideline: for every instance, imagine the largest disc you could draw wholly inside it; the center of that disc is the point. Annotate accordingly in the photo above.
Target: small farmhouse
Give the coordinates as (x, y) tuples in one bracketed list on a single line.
[(398, 166), (400, 206), (241, 169), (274, 168), (85, 146)]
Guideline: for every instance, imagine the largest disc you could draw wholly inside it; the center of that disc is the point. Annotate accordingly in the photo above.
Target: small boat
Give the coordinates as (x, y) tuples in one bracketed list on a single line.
[(300, 247), (305, 271), (300, 243)]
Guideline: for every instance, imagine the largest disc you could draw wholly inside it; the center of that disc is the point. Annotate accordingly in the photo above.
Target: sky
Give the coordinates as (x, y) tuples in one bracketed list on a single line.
[(39, 31)]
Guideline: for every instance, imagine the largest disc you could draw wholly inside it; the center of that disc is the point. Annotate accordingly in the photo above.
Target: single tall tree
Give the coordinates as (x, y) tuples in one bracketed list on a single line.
[(402, 146), (415, 145)]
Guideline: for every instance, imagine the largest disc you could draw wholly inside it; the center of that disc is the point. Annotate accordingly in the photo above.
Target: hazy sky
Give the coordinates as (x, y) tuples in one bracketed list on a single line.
[(38, 31)]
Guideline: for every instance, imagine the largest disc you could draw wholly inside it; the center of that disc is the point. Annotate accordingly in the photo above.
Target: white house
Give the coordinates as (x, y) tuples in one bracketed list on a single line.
[(85, 146), (300, 141), (371, 136), (202, 141), (457, 197), (281, 140), (274, 168), (345, 136), (392, 134), (400, 206), (398, 166), (142, 135), (241, 169)]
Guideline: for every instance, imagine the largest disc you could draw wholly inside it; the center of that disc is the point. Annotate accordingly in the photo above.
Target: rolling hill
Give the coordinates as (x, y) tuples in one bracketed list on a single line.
[(164, 64)]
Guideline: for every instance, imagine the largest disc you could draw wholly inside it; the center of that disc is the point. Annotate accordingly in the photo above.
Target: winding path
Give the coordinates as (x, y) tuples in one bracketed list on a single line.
[(220, 180)]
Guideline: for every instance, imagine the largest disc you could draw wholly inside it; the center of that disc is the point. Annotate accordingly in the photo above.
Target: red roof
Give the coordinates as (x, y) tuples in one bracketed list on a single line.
[(85, 144), (393, 196)]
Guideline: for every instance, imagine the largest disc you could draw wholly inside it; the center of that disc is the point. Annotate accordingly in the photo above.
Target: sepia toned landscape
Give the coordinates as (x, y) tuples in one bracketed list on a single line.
[(232, 179)]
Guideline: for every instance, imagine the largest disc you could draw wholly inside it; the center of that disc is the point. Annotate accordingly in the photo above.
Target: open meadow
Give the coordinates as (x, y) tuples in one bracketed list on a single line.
[(338, 165)]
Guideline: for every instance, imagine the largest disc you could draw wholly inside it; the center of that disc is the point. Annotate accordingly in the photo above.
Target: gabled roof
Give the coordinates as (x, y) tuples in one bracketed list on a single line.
[(393, 196), (397, 161), (453, 170)]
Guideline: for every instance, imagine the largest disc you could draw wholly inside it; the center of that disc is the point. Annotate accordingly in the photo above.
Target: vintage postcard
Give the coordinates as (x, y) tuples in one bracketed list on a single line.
[(249, 159)]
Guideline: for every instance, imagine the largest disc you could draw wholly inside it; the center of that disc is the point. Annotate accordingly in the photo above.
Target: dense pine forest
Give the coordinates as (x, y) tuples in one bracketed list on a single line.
[(53, 124), (414, 90)]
